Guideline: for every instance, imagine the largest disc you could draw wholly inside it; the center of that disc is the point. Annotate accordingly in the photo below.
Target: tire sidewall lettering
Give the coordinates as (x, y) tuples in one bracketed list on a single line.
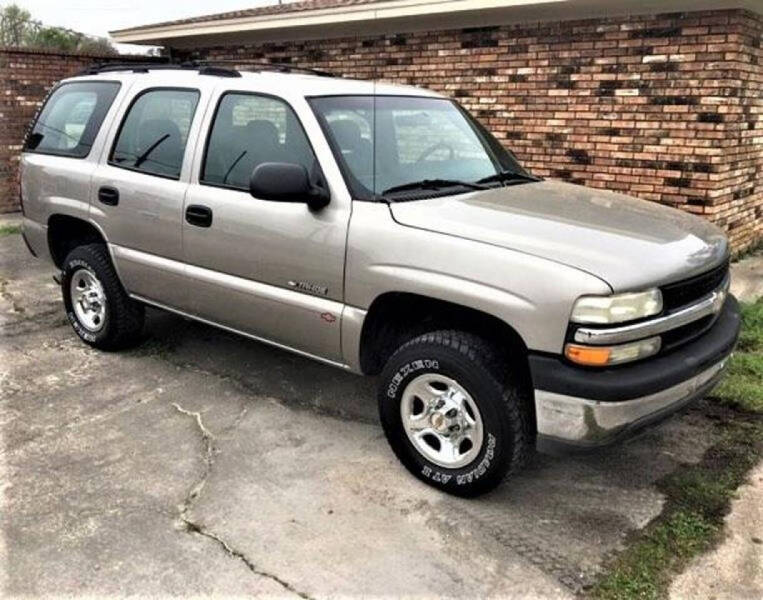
[(470, 476), (407, 369), (81, 331), (78, 262)]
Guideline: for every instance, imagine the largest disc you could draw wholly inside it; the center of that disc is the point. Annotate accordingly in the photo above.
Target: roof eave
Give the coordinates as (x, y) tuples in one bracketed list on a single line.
[(403, 15)]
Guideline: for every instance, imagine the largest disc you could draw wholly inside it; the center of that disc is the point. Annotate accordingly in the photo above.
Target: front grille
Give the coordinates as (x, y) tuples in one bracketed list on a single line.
[(682, 335), (676, 295)]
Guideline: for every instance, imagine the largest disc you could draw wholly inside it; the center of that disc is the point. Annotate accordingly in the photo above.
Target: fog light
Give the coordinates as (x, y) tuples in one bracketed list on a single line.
[(602, 356)]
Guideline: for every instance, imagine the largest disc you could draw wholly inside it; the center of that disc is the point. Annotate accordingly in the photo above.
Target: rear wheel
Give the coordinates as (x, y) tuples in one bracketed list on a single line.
[(97, 306), (452, 414)]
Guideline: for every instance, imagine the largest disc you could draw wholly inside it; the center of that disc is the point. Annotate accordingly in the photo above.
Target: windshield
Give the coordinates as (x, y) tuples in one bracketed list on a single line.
[(397, 146)]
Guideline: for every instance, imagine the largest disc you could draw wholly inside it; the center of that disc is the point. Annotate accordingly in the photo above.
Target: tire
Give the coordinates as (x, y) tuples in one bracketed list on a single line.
[(106, 318), (450, 363)]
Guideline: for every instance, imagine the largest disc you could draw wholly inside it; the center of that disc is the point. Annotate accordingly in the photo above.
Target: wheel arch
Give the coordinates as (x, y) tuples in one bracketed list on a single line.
[(66, 232), (394, 318)]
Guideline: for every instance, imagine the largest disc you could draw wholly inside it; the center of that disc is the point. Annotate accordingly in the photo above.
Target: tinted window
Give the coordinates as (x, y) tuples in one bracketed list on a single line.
[(249, 130), (154, 133), (71, 118)]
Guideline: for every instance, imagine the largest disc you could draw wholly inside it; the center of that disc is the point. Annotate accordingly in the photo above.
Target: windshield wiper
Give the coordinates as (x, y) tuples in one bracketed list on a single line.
[(144, 157), (509, 176), (434, 184)]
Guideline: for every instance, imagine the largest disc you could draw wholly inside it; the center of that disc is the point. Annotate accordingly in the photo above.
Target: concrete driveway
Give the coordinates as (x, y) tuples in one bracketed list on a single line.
[(202, 463)]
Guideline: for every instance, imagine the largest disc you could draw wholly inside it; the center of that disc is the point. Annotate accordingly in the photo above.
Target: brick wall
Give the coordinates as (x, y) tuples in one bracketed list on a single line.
[(25, 77), (666, 107)]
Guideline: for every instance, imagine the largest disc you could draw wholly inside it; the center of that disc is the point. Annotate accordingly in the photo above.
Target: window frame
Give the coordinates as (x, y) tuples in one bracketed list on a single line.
[(44, 104), (208, 139), (126, 113)]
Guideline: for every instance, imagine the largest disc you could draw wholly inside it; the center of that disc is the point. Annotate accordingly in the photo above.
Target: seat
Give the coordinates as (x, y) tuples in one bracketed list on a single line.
[(356, 151), (259, 142), (263, 142)]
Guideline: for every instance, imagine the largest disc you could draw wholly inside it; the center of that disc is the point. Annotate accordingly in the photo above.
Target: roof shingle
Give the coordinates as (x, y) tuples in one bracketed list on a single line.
[(271, 9)]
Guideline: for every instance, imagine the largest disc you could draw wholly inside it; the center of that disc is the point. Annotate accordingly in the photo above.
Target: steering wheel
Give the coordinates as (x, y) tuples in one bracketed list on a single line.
[(434, 148)]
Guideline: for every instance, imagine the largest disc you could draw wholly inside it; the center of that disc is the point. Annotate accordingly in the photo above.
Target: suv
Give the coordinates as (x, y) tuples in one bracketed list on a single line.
[(383, 230)]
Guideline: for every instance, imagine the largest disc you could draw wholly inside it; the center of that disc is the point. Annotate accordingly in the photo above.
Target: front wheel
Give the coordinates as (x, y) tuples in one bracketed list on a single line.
[(97, 306), (452, 414)]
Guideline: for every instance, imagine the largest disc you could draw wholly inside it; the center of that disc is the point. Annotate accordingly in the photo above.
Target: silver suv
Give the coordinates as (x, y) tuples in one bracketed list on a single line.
[(383, 230)]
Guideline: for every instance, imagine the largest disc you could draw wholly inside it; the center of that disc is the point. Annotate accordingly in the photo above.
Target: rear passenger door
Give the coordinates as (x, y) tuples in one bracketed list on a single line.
[(274, 270), (139, 188)]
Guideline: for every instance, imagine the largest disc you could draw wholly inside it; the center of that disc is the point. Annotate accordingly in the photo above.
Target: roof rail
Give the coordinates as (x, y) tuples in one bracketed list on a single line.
[(203, 67), (137, 67), (258, 65)]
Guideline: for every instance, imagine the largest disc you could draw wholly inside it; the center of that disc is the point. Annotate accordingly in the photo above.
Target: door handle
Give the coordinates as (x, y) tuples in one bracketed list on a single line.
[(108, 195), (198, 215)]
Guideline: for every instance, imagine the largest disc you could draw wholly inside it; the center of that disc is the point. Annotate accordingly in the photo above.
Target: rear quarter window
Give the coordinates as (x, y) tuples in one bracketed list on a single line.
[(70, 120)]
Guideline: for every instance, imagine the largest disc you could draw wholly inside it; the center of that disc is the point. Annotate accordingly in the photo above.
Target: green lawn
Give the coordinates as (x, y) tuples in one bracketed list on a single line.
[(743, 385), (698, 495), (9, 229)]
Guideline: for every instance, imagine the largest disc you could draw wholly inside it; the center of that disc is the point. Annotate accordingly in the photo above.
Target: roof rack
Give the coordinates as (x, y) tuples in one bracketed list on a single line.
[(258, 65), (203, 67), (136, 67)]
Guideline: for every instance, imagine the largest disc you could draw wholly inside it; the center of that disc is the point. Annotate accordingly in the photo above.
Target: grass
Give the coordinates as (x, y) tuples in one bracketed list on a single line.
[(698, 496), (9, 229), (743, 385)]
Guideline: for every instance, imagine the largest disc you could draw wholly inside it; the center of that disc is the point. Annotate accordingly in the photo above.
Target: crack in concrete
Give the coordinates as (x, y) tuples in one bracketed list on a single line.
[(241, 384), (238, 420), (192, 527), (209, 459)]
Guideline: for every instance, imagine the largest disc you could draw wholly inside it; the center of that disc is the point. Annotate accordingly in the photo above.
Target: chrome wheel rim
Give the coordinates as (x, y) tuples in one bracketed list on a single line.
[(442, 420), (88, 300)]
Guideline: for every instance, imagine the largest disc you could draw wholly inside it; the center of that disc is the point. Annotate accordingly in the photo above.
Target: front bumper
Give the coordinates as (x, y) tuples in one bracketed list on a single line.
[(581, 409)]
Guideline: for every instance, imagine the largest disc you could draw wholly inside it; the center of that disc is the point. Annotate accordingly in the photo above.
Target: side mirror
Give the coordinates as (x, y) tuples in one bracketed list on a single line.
[(286, 182)]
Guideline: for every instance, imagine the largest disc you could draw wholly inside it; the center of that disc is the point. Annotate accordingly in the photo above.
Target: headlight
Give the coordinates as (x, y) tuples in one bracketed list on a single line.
[(617, 308), (604, 356)]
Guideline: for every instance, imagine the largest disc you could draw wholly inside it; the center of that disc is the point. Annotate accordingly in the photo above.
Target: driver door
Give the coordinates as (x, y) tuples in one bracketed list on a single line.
[(272, 270)]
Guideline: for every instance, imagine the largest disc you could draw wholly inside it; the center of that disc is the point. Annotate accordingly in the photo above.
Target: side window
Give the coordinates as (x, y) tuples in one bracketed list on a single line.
[(71, 118), (154, 133), (249, 130)]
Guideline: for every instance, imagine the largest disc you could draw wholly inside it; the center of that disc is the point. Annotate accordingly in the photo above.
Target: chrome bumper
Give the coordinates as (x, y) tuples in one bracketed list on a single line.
[(572, 421)]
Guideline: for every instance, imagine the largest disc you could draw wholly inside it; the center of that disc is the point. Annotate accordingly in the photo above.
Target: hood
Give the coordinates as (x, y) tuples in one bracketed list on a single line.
[(627, 242)]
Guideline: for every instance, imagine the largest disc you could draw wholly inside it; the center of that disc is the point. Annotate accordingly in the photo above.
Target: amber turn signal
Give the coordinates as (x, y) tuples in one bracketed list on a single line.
[(587, 355), (601, 356)]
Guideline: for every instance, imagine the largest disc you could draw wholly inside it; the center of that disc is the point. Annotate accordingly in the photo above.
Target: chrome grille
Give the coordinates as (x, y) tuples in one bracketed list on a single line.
[(681, 293)]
